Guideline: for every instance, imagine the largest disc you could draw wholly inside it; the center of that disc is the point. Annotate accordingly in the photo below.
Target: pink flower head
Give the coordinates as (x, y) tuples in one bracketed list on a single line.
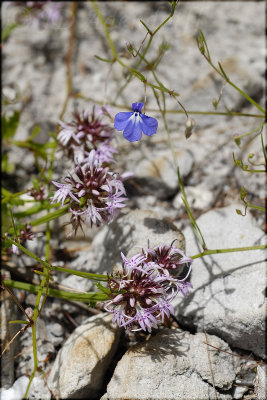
[(140, 297)]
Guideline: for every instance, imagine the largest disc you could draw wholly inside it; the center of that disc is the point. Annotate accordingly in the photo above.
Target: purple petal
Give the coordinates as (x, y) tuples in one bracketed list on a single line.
[(121, 120), (137, 106), (149, 125), (133, 131)]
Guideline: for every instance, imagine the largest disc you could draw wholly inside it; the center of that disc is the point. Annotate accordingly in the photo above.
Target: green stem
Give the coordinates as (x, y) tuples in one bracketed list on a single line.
[(256, 207), (13, 195), (258, 130), (230, 250), (103, 23), (61, 294), (88, 275), (225, 77), (194, 224), (247, 97), (114, 52), (212, 113)]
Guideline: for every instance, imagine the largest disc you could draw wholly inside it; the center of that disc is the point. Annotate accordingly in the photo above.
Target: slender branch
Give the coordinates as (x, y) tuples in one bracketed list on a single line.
[(230, 250), (212, 113), (88, 275)]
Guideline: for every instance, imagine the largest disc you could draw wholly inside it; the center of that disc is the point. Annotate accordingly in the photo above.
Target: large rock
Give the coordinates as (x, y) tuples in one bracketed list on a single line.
[(81, 363), (129, 234), (8, 331), (157, 174), (172, 365), (227, 298)]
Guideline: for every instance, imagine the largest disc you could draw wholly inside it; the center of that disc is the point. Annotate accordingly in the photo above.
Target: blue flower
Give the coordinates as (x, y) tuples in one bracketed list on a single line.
[(134, 123)]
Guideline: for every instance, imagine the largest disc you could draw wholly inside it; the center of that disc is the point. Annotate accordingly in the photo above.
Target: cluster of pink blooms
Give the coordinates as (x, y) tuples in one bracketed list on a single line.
[(85, 133), (141, 295), (95, 194), (39, 12), (25, 234)]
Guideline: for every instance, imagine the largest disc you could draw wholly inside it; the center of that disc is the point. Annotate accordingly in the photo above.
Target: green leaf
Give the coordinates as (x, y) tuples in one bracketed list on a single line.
[(6, 32), (102, 288), (62, 294), (239, 212), (138, 75), (6, 166), (19, 321), (237, 141), (107, 60), (34, 133), (9, 125), (37, 207), (243, 193)]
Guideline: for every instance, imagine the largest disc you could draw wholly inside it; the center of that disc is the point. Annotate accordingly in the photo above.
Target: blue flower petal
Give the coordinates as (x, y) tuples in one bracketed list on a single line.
[(121, 120), (137, 106), (133, 131), (149, 125)]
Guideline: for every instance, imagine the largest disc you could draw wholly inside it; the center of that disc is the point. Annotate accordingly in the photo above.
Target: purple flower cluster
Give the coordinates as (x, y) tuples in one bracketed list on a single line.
[(25, 234), (85, 133), (40, 12), (140, 296), (93, 192)]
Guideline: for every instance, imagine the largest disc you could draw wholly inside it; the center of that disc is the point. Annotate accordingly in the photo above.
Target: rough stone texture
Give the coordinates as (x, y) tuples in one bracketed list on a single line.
[(156, 172), (80, 365), (227, 298), (131, 232), (199, 198), (39, 389), (34, 67), (260, 382), (16, 391), (45, 349), (172, 365), (8, 312)]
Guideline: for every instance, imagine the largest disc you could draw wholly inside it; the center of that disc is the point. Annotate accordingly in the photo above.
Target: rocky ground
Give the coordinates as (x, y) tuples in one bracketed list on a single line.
[(214, 348)]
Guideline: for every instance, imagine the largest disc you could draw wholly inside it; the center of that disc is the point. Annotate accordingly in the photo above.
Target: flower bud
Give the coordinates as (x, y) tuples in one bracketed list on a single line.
[(190, 123)]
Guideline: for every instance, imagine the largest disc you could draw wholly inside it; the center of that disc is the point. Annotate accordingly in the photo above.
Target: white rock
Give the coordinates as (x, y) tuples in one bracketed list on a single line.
[(39, 390), (129, 234), (172, 365), (227, 298), (199, 198), (80, 365), (157, 174), (17, 391), (260, 383)]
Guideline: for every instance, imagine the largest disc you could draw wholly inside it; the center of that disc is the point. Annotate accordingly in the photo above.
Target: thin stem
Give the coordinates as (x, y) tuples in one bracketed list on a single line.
[(230, 250), (225, 77), (114, 52), (73, 10), (87, 275), (103, 23), (212, 113), (194, 224), (256, 207)]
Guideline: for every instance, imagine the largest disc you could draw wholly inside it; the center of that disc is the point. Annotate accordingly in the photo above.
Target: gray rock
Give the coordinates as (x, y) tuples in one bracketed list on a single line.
[(8, 313), (157, 174), (80, 365), (16, 391), (56, 333), (172, 365), (39, 390), (45, 349), (199, 198), (129, 234), (227, 298), (260, 382)]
